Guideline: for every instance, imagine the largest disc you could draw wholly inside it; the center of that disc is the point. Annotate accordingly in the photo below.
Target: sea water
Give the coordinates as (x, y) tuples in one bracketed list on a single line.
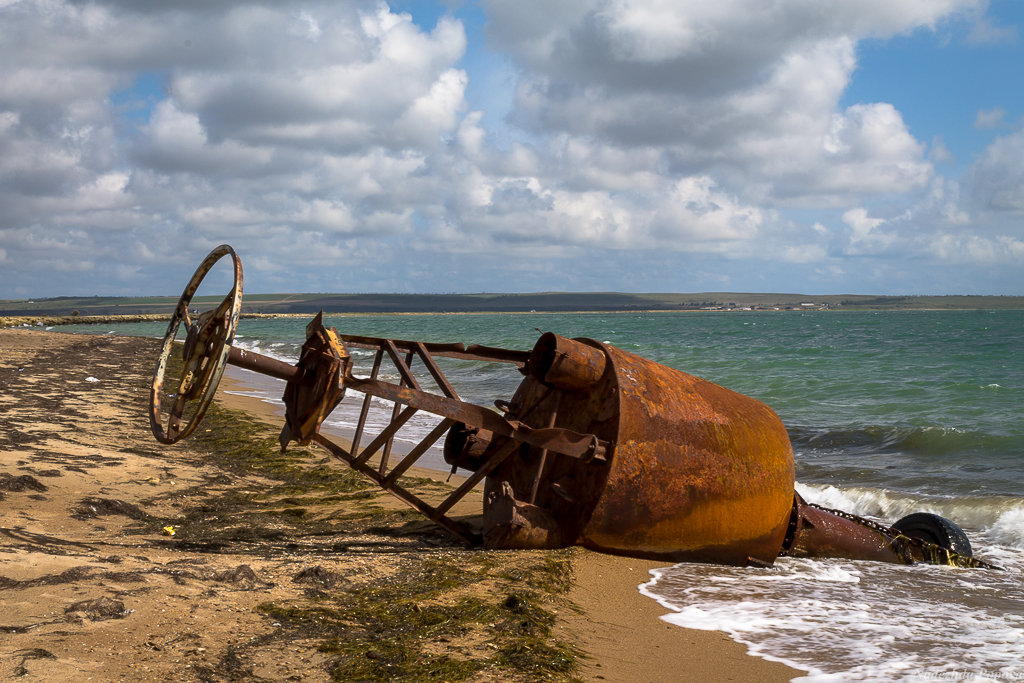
[(889, 413)]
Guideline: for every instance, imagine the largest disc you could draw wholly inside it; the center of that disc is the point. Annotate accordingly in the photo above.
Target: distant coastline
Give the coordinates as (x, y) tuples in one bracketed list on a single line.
[(65, 310)]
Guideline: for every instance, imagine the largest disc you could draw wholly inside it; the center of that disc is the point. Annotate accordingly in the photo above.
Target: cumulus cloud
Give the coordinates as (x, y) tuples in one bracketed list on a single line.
[(866, 233), (746, 91), (997, 178), (276, 122), (331, 142)]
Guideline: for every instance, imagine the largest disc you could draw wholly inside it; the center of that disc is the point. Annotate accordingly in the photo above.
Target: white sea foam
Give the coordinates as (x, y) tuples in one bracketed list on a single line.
[(999, 519), (256, 393), (841, 620), (1008, 529)]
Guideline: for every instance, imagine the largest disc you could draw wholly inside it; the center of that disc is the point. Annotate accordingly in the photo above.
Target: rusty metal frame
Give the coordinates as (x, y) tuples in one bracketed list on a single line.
[(408, 397)]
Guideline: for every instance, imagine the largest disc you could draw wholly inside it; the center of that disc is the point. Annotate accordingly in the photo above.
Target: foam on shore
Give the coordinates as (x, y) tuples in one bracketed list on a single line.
[(845, 620)]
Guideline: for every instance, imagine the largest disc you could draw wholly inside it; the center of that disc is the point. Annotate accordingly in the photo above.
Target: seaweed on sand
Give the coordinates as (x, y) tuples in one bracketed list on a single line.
[(444, 613)]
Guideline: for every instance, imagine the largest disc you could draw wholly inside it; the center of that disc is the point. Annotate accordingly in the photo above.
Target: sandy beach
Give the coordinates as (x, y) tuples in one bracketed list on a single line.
[(122, 559)]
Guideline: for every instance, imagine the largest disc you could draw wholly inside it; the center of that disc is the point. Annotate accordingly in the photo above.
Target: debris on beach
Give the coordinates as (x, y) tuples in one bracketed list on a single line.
[(17, 484), (241, 576), (28, 654), (317, 578), (90, 508), (597, 446), (97, 609)]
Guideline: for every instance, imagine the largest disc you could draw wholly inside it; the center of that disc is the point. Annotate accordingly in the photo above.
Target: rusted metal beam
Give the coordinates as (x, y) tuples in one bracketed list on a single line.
[(416, 453), (455, 527), (492, 463), (455, 350), (364, 411), (564, 441), (265, 365), (387, 434), (442, 382)]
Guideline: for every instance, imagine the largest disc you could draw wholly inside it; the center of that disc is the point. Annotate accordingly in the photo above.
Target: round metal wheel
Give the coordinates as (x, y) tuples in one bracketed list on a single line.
[(175, 414)]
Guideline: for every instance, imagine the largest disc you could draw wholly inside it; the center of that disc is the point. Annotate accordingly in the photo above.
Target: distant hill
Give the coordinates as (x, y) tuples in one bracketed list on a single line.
[(505, 303)]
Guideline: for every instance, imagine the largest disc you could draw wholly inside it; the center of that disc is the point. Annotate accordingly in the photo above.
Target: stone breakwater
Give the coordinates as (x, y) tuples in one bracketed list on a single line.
[(53, 320)]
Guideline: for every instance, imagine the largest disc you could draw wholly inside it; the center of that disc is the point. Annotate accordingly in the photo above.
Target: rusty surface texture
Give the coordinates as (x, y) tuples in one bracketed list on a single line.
[(697, 472), (819, 532), (311, 397), (597, 446), (701, 472)]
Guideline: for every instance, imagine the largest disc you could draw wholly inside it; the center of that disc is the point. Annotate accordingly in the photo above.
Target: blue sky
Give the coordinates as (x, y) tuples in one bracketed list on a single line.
[(813, 146), (941, 80)]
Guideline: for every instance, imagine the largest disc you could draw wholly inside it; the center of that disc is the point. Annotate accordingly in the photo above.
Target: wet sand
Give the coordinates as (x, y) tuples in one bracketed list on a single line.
[(93, 587)]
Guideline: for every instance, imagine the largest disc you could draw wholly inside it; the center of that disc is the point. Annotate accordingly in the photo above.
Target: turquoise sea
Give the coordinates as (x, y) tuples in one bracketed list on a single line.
[(889, 413)]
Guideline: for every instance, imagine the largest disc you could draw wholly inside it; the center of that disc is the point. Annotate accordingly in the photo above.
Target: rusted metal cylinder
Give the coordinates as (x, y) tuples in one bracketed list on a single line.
[(698, 472), (265, 365), (820, 533), (565, 363)]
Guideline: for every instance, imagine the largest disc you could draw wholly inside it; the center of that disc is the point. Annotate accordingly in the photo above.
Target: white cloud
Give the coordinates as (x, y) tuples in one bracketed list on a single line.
[(989, 118), (985, 32), (997, 178), (733, 88), (696, 211), (976, 250), (873, 236), (938, 153), (306, 26), (278, 121), (861, 224), (687, 215), (434, 112), (942, 206), (804, 253), (391, 84)]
